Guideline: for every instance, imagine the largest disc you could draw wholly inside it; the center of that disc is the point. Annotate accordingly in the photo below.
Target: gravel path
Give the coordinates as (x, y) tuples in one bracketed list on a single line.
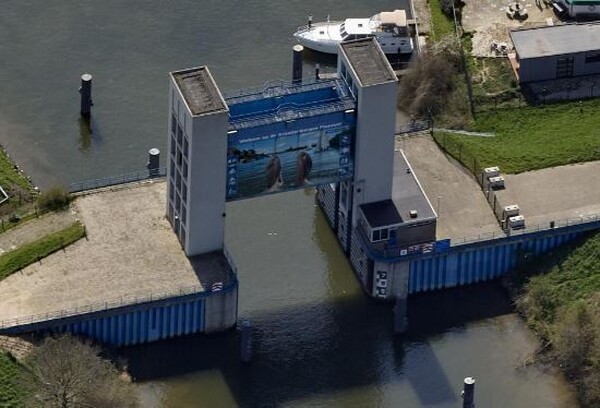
[(35, 229)]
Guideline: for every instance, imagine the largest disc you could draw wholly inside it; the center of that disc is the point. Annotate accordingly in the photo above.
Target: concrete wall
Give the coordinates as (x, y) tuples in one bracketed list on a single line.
[(374, 148), (202, 226), (459, 265), (201, 312), (374, 139), (208, 170)]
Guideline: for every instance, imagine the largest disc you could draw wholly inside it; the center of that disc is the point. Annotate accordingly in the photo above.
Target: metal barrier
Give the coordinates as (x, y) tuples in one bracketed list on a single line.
[(401, 252), (414, 126), (116, 180), (115, 304)]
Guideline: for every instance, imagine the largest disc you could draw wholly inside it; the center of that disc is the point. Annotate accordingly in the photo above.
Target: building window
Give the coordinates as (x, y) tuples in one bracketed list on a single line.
[(184, 191), (171, 191), (178, 181), (564, 67), (172, 168), (173, 124), (173, 146), (344, 195), (182, 235), (384, 234), (183, 213), (179, 135), (179, 157), (592, 57), (185, 147), (185, 169), (376, 235)]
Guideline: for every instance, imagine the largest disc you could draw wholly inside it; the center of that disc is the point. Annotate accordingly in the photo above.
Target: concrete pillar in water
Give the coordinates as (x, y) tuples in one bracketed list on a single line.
[(469, 393), (297, 66), (400, 319), (246, 342), (86, 95), (153, 161)]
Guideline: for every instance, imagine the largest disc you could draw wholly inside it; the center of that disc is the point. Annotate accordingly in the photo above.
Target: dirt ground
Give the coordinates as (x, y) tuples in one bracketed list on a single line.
[(130, 251), (488, 21)]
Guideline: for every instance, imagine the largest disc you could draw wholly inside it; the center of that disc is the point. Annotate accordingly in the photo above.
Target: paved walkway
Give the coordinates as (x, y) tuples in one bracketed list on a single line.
[(130, 252), (554, 194), (462, 208)]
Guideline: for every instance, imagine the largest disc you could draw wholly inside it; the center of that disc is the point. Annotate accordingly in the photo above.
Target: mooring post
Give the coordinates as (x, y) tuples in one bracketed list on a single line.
[(468, 393), (153, 161), (297, 66), (400, 318), (246, 342), (317, 69), (86, 95)]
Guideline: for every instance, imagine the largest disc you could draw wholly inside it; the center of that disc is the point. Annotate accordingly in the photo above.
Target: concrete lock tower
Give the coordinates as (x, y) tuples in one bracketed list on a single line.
[(196, 172)]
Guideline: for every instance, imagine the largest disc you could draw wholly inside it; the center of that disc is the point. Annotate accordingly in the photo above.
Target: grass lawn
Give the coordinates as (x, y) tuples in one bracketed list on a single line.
[(531, 138), (440, 24), (27, 254), (17, 186), (10, 393)]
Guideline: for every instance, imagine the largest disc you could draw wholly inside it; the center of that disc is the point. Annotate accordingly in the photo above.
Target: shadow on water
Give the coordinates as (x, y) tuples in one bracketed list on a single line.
[(89, 134), (325, 347), (341, 341)]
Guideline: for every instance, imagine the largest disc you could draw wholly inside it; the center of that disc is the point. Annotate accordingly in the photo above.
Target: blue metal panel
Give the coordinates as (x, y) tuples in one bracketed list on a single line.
[(467, 264)]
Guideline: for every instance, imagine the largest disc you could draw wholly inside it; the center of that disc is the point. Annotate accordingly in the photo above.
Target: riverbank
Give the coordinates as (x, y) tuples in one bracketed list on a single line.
[(560, 301)]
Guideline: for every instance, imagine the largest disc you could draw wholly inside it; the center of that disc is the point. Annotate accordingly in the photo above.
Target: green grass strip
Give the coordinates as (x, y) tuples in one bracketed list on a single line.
[(9, 175), (19, 258), (11, 394), (442, 25)]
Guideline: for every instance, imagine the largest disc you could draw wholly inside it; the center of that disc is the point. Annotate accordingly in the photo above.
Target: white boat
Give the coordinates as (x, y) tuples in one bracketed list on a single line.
[(390, 28)]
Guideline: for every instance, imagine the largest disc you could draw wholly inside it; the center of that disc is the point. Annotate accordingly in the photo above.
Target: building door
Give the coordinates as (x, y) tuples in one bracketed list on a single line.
[(564, 67)]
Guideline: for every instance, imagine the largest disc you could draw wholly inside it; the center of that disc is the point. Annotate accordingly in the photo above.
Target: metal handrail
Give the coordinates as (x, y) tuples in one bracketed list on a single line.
[(116, 180), (394, 252), (116, 304)]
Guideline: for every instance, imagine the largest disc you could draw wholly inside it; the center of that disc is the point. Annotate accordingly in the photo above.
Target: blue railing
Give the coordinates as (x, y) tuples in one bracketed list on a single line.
[(116, 180)]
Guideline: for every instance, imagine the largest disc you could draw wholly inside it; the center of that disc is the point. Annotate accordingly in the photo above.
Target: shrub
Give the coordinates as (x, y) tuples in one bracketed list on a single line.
[(54, 199)]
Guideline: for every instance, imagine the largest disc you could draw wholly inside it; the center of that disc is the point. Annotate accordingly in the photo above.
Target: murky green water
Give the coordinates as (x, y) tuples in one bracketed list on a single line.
[(318, 340)]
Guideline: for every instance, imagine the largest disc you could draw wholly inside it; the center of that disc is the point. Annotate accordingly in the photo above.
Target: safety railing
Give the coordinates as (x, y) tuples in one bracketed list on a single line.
[(121, 302), (381, 250), (115, 180)]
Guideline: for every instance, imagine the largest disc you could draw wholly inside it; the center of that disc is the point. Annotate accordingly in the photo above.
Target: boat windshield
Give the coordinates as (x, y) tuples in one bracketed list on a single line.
[(343, 32)]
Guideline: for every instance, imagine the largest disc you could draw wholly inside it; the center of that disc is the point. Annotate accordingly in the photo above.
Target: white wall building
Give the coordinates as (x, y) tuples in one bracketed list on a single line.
[(196, 172)]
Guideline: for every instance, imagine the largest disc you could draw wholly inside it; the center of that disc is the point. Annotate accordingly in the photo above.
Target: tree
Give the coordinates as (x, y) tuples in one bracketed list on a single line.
[(67, 373)]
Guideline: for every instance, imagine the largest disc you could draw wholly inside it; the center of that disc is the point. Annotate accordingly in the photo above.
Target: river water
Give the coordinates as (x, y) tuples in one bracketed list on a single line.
[(318, 340)]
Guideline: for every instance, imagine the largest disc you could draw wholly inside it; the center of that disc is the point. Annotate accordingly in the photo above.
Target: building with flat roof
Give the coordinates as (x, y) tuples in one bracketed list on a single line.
[(581, 9), (553, 52)]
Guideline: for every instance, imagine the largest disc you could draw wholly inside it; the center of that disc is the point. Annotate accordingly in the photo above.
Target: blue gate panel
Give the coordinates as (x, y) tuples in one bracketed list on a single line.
[(467, 264)]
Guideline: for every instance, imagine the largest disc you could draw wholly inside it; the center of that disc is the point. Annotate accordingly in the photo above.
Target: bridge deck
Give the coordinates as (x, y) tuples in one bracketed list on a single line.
[(130, 252)]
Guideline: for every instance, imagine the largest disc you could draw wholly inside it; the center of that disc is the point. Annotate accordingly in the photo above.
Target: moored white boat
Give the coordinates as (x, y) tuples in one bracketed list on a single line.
[(390, 28)]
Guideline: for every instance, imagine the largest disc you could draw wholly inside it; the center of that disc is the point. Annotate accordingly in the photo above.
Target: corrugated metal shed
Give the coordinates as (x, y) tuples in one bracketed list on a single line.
[(556, 40)]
